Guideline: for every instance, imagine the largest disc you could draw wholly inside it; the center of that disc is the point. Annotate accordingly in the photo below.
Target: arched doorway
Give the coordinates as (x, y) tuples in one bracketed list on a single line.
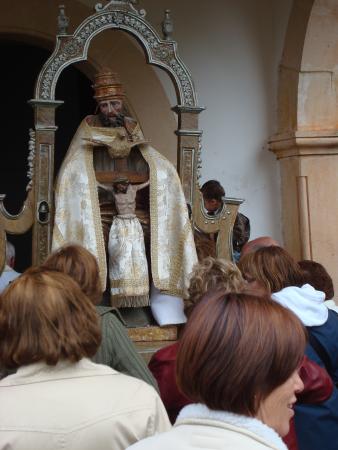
[(307, 139)]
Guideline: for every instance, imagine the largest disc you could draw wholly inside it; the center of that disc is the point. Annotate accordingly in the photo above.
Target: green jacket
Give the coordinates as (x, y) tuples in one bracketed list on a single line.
[(117, 350)]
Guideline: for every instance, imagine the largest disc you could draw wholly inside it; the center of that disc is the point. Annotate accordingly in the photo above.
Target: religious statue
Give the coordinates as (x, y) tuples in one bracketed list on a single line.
[(107, 146), (126, 243)]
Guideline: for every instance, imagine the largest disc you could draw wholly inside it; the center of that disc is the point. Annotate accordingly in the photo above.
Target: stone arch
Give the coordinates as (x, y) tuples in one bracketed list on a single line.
[(308, 71), (306, 142)]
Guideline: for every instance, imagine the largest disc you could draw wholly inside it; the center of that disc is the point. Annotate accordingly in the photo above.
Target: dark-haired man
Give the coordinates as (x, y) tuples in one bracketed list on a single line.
[(213, 195), (213, 198)]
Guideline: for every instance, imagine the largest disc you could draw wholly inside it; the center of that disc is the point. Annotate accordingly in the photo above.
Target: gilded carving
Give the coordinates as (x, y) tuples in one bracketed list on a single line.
[(167, 26), (146, 334), (188, 170), (44, 244), (30, 159), (44, 189), (121, 3), (21, 222), (43, 172), (74, 47), (63, 21), (198, 159)]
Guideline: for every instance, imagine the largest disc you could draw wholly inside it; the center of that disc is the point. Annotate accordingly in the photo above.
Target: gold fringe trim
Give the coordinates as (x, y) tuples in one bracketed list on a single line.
[(129, 302), (141, 283)]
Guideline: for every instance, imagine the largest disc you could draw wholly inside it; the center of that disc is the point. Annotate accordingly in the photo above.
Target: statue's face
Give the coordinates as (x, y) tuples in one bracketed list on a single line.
[(121, 187), (111, 107)]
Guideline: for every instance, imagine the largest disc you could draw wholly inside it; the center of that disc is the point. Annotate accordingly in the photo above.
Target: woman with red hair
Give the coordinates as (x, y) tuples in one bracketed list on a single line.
[(238, 362)]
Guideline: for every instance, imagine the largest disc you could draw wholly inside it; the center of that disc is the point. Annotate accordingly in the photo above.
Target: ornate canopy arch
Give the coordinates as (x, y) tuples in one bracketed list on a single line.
[(121, 15)]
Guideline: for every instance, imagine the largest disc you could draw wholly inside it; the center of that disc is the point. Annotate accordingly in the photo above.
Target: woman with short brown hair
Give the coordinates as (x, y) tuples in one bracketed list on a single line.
[(241, 372), (81, 265), (272, 267), (249, 347), (116, 349), (37, 321), (58, 397)]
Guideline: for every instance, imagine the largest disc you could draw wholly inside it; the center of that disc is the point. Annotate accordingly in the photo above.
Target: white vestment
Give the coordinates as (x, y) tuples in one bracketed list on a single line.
[(127, 255), (78, 220)]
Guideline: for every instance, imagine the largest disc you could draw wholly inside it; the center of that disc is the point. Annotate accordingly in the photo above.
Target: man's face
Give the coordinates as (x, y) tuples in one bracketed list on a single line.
[(211, 204), (111, 107)]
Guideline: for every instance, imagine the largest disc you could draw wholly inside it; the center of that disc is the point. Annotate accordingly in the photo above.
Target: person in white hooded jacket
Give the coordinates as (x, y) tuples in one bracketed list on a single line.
[(274, 270), (321, 322)]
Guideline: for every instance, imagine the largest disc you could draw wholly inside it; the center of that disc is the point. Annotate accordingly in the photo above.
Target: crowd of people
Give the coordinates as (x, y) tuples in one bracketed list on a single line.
[(255, 366)]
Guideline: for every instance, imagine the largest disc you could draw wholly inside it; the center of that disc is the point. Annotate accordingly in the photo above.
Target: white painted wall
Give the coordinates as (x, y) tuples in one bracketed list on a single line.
[(233, 49)]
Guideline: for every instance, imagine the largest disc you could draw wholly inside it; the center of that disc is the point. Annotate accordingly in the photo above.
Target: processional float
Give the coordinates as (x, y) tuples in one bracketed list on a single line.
[(37, 211)]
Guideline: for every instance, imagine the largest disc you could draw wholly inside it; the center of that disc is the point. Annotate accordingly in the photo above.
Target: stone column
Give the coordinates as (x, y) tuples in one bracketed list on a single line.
[(309, 189)]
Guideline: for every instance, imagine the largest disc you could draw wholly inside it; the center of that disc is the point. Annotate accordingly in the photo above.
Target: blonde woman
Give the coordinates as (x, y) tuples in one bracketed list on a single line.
[(210, 274)]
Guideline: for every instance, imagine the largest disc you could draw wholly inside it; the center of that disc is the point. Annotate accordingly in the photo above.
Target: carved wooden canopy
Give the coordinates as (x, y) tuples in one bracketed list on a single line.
[(121, 15), (71, 48)]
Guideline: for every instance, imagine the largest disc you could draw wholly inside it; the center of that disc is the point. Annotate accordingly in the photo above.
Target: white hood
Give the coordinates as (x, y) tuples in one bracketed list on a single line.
[(305, 302)]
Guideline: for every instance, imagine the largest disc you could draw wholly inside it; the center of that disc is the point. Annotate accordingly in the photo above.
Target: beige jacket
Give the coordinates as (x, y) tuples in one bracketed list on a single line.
[(77, 406), (198, 427)]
